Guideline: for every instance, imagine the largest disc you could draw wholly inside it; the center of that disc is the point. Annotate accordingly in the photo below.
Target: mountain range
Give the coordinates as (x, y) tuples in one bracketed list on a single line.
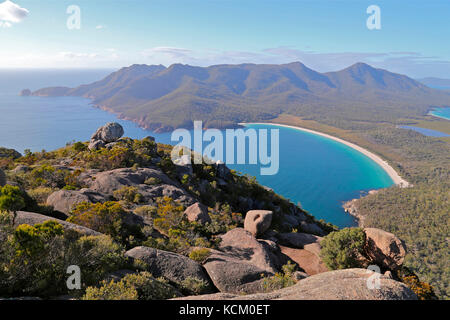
[(162, 98)]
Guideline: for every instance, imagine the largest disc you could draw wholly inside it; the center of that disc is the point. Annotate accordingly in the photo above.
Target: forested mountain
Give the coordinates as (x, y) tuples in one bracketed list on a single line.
[(221, 95)]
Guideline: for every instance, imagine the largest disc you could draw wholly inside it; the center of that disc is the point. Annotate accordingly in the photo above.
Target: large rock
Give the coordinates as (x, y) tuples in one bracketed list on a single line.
[(31, 218), (109, 181), (110, 132), (169, 265), (298, 239), (257, 221), (231, 274), (384, 248), (263, 254), (241, 261), (198, 213), (65, 200), (348, 284), (96, 145), (2, 178), (307, 260)]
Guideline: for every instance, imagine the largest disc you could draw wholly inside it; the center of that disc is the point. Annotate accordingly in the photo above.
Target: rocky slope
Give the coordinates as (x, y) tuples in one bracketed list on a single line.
[(192, 225)]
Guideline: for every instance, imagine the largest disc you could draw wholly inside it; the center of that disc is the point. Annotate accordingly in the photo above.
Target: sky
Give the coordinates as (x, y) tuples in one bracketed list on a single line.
[(413, 37)]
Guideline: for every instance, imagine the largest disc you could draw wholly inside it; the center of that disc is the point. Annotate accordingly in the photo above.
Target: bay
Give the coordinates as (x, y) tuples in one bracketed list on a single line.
[(317, 172)]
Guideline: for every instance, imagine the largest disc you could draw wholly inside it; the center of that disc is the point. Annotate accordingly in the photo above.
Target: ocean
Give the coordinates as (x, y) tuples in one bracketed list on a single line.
[(317, 172)]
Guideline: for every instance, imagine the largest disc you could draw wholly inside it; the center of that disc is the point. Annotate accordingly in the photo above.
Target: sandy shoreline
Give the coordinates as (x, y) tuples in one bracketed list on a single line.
[(399, 181)]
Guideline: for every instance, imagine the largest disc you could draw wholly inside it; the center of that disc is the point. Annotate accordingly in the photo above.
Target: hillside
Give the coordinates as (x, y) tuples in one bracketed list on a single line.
[(161, 98), (141, 227)]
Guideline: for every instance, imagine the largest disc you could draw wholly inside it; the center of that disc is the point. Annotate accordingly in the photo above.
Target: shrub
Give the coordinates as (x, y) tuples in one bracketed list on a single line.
[(280, 280), (152, 181), (169, 215), (108, 218), (140, 286), (199, 255), (128, 194), (102, 217), (31, 240), (79, 146), (47, 176), (195, 286), (11, 198), (96, 256), (423, 290), (40, 194), (71, 180), (344, 249), (34, 259), (111, 291)]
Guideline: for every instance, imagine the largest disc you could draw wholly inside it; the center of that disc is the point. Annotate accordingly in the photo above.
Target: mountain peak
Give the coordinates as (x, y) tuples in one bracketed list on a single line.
[(361, 66)]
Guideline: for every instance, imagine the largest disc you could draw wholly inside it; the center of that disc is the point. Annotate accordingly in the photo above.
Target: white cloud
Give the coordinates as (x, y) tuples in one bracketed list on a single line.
[(78, 55), (5, 24), (11, 13), (100, 27)]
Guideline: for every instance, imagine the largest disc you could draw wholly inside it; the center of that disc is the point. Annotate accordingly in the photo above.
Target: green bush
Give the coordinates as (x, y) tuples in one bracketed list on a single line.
[(11, 198), (280, 280), (344, 249), (140, 286), (194, 286), (111, 291), (128, 194), (102, 217), (152, 181), (199, 255), (40, 194), (34, 259)]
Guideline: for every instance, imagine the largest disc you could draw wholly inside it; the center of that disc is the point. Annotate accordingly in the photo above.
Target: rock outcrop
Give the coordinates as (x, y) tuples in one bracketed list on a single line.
[(241, 260), (110, 132), (348, 284), (174, 267), (198, 213), (31, 218), (64, 200), (107, 182), (308, 261), (258, 221), (384, 248)]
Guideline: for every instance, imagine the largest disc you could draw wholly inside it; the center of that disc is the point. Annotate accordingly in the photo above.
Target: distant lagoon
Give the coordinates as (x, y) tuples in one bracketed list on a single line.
[(426, 132), (315, 171)]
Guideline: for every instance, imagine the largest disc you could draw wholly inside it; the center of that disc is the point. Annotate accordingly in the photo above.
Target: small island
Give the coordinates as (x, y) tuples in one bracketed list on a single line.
[(25, 93)]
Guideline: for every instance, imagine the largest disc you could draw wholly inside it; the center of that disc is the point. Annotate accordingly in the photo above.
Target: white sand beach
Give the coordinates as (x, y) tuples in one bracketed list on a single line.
[(386, 167)]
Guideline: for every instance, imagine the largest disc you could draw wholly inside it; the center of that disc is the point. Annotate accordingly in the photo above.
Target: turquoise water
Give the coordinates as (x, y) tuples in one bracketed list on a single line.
[(317, 172), (320, 173), (441, 113), (426, 132)]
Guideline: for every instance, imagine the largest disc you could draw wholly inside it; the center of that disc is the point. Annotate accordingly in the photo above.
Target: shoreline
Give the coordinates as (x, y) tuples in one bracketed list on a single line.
[(399, 181), (436, 116)]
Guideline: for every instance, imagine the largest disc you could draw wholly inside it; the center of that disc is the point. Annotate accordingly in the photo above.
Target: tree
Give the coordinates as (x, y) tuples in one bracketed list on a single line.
[(344, 249), (11, 200)]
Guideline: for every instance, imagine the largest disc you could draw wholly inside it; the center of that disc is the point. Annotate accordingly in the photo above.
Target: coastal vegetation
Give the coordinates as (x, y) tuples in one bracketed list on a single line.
[(418, 214)]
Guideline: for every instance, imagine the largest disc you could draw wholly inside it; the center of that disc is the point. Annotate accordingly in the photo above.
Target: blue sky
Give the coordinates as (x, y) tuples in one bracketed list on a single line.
[(325, 35)]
